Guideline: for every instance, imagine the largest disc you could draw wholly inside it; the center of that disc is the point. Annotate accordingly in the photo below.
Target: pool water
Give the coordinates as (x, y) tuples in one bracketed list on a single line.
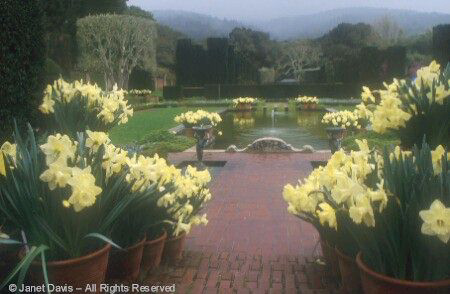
[(297, 128)]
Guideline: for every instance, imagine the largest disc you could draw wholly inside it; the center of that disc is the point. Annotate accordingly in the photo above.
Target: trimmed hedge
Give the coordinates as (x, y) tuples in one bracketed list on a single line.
[(216, 91), (441, 44)]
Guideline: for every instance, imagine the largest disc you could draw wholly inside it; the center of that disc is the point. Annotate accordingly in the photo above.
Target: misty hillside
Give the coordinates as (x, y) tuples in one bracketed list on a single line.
[(195, 25), (200, 26), (315, 25)]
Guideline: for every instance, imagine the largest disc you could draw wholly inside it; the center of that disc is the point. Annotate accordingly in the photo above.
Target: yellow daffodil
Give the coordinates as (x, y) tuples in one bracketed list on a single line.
[(436, 221), (362, 212), (57, 175), (327, 214), (2, 165), (367, 95), (58, 148), (114, 159), (84, 190), (9, 149), (436, 158), (95, 140)]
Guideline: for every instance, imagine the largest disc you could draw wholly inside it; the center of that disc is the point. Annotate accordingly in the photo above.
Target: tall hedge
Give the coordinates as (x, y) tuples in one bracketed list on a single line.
[(441, 43), (22, 57), (218, 60)]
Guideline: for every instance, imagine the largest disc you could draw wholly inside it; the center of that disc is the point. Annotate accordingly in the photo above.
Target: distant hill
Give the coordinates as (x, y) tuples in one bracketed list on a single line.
[(195, 25), (315, 25), (200, 26)]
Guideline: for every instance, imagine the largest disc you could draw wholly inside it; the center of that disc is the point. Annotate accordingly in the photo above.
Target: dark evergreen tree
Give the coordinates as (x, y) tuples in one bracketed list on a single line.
[(22, 56)]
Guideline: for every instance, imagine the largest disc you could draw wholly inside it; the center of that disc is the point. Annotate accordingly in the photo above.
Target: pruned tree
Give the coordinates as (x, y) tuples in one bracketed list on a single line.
[(115, 45), (388, 30), (297, 57)]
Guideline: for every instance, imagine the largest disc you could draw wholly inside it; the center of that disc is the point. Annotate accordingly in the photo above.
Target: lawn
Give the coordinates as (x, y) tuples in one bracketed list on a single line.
[(143, 122), (375, 140)]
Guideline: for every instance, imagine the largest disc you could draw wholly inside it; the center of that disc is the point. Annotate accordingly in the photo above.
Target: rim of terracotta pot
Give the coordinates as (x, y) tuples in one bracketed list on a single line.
[(429, 284), (158, 239), (64, 262), (132, 247), (177, 237)]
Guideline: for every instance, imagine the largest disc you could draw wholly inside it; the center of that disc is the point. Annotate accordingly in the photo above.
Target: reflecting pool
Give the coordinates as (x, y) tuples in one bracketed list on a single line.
[(297, 128)]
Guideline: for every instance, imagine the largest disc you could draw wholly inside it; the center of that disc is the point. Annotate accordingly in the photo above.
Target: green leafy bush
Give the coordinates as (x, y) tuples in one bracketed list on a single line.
[(162, 142)]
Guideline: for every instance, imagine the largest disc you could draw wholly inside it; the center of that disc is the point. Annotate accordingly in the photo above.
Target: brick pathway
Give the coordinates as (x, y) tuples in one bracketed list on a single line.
[(251, 244)]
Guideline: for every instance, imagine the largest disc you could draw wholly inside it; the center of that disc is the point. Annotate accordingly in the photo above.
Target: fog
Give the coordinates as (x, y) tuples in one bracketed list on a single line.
[(267, 9)]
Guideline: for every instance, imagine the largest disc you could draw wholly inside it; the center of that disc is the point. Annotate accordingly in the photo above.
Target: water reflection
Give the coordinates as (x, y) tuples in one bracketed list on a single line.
[(295, 127)]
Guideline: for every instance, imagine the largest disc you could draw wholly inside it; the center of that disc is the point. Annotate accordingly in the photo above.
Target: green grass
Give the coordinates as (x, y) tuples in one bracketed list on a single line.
[(143, 122), (375, 140), (162, 142)]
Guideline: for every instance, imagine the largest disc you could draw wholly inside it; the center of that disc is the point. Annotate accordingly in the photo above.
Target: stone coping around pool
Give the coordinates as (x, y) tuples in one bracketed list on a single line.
[(270, 145), (265, 145)]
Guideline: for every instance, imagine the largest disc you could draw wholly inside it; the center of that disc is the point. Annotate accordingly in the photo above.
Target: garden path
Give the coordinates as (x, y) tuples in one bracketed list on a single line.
[(251, 244)]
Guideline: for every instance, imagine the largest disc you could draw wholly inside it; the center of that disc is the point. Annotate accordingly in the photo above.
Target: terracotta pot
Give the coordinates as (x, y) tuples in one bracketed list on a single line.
[(312, 106), (8, 259), (329, 253), (350, 279), (244, 106), (77, 272), (173, 248), (375, 283), (189, 132), (125, 264), (305, 106), (151, 256)]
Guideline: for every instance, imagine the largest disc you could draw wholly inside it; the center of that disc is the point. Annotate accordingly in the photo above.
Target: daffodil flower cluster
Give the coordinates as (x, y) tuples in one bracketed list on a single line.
[(60, 152), (102, 109), (394, 106), (198, 118), (187, 197), (140, 92), (244, 100), (345, 119), (341, 184), (307, 100)]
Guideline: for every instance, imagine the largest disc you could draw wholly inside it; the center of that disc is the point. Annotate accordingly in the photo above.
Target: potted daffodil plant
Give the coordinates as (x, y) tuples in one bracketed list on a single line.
[(412, 108)]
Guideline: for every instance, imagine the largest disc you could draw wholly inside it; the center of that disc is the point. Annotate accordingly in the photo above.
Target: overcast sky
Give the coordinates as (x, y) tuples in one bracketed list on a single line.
[(259, 9)]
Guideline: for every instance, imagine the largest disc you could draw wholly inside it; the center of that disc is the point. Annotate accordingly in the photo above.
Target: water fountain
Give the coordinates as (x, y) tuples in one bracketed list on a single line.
[(203, 136), (335, 136)]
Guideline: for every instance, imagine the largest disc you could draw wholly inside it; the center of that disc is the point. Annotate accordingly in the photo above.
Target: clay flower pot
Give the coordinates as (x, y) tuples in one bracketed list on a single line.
[(151, 256), (81, 272), (375, 283), (125, 264), (188, 132), (244, 106), (173, 248), (8, 259), (350, 279), (329, 253)]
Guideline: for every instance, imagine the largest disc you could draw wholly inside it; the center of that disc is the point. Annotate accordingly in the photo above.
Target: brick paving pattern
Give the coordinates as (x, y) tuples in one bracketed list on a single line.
[(251, 244)]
